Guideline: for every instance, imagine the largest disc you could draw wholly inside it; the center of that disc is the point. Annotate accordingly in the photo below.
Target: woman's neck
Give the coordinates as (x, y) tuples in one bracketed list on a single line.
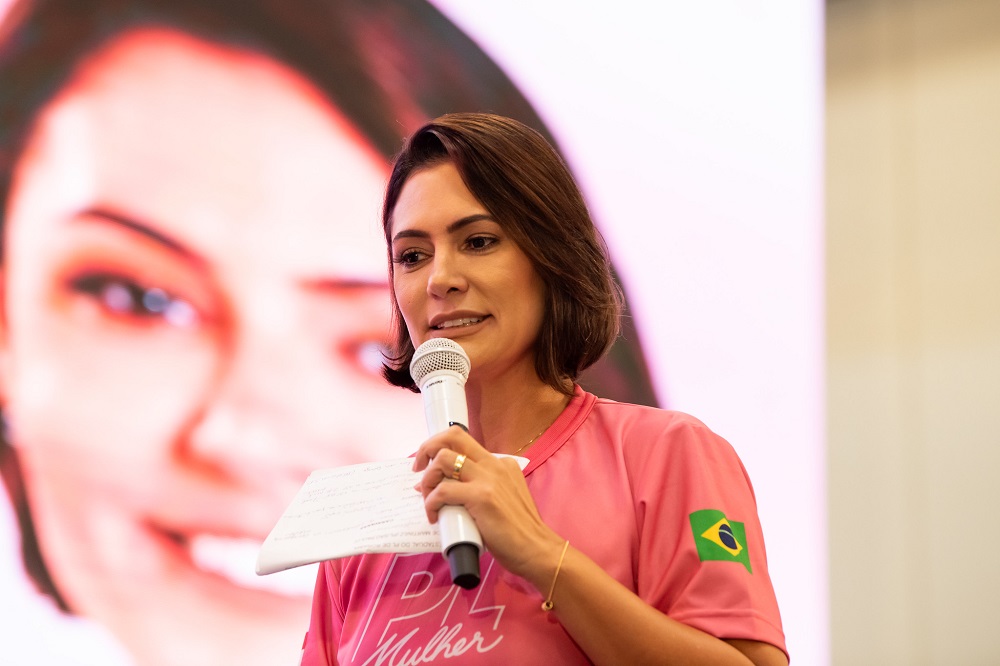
[(507, 413)]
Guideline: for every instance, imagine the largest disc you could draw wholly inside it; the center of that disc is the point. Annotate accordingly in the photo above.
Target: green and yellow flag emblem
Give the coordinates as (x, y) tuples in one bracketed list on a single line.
[(718, 538)]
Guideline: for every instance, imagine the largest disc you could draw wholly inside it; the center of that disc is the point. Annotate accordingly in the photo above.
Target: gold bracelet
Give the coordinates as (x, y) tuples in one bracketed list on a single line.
[(547, 605)]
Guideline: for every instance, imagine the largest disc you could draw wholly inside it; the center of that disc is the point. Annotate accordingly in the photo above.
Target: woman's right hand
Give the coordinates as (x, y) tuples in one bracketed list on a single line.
[(494, 492)]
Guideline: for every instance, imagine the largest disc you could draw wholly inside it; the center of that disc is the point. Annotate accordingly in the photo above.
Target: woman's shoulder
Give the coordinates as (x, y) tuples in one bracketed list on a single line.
[(663, 448), (642, 431), (633, 417)]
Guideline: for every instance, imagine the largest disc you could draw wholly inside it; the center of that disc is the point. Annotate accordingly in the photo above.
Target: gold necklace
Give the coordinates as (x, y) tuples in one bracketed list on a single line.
[(530, 441)]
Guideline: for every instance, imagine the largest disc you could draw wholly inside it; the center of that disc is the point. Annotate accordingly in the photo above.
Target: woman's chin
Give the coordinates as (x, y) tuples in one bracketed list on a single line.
[(202, 587)]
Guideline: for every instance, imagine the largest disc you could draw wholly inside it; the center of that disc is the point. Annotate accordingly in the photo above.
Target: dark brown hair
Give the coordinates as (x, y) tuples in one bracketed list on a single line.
[(528, 189)]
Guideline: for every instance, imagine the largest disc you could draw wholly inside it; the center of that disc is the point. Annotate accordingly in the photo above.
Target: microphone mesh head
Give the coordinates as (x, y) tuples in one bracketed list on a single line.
[(439, 354)]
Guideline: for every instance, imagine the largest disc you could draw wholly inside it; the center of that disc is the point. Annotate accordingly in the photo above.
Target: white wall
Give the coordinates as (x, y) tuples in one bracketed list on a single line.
[(913, 218)]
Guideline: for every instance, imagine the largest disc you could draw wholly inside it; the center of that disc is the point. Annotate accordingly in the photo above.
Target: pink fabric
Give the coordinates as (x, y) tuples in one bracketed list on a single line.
[(619, 481)]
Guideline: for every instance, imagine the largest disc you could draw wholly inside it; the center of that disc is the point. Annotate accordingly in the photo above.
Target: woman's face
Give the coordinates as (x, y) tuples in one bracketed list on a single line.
[(194, 301), (457, 274)]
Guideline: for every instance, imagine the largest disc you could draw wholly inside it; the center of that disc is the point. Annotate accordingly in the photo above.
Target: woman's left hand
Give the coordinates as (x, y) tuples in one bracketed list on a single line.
[(493, 491)]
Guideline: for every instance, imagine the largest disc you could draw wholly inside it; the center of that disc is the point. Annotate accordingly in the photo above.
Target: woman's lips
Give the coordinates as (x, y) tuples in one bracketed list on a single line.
[(234, 559), (458, 322)]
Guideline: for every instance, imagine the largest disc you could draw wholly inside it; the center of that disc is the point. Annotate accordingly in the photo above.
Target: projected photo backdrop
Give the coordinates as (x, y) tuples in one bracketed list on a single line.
[(194, 281)]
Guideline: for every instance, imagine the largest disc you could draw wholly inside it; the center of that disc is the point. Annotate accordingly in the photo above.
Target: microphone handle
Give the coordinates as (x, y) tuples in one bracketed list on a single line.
[(458, 529), (463, 555), (444, 406)]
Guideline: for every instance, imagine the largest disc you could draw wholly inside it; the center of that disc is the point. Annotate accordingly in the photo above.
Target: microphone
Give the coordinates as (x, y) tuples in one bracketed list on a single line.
[(440, 368)]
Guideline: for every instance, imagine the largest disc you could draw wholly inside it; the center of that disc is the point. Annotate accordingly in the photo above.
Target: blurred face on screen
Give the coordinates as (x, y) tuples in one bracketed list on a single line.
[(194, 302)]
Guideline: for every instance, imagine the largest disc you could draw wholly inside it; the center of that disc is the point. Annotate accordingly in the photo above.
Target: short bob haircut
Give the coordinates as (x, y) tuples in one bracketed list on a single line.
[(527, 188)]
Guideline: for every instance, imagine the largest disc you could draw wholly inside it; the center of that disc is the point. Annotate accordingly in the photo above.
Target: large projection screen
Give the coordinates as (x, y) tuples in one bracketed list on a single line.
[(695, 131)]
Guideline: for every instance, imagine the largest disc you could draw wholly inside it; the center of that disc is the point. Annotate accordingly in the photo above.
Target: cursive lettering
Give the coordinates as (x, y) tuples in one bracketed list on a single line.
[(444, 644)]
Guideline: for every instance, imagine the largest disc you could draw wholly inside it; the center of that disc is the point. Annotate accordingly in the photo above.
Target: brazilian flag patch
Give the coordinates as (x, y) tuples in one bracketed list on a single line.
[(718, 538)]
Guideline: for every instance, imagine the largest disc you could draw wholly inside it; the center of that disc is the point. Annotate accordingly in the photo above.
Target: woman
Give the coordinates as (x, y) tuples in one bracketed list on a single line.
[(193, 306), (632, 535)]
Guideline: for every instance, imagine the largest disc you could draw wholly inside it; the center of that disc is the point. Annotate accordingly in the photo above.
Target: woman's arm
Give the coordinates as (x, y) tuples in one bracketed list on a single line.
[(608, 621), (614, 626)]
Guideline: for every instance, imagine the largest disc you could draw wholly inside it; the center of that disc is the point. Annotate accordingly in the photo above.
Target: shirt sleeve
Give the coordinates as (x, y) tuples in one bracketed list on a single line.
[(701, 553)]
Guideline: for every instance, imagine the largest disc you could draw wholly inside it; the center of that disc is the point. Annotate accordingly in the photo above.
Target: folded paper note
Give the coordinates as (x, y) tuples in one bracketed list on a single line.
[(366, 508)]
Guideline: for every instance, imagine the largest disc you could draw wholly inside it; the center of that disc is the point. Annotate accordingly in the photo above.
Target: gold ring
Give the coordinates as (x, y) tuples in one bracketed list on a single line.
[(456, 472)]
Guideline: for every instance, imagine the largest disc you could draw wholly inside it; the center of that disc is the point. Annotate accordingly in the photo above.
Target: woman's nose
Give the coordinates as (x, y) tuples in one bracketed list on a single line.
[(247, 425), (446, 275)]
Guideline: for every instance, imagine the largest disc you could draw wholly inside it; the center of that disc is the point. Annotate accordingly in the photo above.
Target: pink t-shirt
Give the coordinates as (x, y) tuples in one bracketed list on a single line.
[(654, 497)]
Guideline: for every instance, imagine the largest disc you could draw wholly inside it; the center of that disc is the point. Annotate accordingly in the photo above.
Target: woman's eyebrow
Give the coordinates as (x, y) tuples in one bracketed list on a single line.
[(335, 284), (451, 228), (139, 226)]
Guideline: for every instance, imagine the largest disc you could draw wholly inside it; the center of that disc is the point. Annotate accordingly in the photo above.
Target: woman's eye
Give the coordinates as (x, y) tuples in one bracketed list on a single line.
[(122, 296), (409, 257), (479, 243)]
